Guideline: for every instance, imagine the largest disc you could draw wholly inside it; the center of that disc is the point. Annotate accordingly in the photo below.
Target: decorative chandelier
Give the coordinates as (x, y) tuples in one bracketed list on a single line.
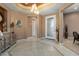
[(34, 9)]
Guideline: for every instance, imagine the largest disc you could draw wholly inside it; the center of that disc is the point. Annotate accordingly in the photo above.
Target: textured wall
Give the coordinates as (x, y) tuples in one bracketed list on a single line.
[(21, 32), (72, 21)]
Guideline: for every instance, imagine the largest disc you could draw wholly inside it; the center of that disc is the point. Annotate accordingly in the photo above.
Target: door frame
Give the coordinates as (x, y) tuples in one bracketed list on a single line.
[(46, 26), (35, 27)]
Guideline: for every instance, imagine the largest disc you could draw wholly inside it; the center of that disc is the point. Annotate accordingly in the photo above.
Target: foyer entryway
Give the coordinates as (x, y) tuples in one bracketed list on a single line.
[(50, 27)]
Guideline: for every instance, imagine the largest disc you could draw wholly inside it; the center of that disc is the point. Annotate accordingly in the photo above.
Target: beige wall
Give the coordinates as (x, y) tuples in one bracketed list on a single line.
[(72, 21), (43, 26), (23, 30)]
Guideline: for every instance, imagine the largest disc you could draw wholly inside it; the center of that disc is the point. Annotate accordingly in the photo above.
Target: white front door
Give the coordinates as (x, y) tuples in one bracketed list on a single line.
[(33, 28), (50, 27)]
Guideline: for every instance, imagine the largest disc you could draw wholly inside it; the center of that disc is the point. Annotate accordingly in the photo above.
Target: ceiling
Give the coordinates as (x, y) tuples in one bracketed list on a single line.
[(30, 4), (44, 9), (72, 8)]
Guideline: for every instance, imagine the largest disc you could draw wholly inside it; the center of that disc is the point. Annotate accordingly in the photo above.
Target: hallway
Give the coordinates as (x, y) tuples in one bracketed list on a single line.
[(38, 47), (19, 25)]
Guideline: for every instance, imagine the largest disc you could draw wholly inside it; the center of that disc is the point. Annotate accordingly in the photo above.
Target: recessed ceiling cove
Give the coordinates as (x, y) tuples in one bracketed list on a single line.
[(29, 5), (44, 8)]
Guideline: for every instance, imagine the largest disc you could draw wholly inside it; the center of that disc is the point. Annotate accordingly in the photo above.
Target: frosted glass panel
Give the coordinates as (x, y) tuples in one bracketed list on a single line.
[(51, 27)]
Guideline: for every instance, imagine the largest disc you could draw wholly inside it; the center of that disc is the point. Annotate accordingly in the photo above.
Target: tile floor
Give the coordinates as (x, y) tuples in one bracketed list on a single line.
[(38, 47), (68, 43)]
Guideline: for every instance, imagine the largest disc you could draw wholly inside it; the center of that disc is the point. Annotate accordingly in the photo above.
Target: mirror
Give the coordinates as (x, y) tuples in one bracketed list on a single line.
[(18, 23)]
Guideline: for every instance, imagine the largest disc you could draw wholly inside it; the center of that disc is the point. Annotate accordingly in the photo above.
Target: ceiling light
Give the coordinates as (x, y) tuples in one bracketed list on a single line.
[(34, 9)]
